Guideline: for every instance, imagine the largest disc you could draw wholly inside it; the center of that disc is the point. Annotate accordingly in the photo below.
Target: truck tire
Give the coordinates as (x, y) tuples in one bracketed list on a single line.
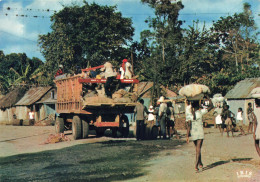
[(59, 125), (114, 132), (76, 127), (124, 126), (85, 129), (100, 132)]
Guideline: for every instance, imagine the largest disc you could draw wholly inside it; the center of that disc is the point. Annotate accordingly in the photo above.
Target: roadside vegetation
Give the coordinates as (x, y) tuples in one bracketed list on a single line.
[(167, 54)]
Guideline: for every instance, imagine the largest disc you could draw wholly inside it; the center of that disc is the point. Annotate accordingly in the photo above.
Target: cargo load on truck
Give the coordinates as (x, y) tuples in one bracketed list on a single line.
[(82, 104)]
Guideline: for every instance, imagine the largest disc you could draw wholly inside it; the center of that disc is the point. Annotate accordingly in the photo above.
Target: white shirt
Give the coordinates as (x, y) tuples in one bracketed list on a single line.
[(239, 116), (31, 115), (109, 72), (128, 69), (150, 115)]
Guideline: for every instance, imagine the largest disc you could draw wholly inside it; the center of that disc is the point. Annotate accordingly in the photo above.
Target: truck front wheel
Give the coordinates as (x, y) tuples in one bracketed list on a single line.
[(76, 127), (59, 125), (85, 129)]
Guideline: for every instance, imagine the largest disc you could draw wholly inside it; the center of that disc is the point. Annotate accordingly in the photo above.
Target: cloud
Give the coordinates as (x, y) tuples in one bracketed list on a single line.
[(10, 23)]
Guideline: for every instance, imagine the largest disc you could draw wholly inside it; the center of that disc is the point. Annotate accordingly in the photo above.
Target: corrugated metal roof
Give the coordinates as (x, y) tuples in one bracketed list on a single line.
[(48, 101), (243, 88), (32, 96), (143, 87)]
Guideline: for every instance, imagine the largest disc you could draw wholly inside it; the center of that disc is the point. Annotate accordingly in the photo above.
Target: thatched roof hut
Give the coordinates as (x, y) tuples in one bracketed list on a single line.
[(12, 97)]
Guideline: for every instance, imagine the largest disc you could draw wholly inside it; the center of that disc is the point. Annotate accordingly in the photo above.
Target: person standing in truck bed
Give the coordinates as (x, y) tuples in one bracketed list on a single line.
[(110, 75)]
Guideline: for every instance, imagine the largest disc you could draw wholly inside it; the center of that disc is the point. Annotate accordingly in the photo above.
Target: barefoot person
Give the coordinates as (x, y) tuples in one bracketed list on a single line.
[(256, 121), (197, 132), (217, 112), (250, 118), (227, 117), (240, 120)]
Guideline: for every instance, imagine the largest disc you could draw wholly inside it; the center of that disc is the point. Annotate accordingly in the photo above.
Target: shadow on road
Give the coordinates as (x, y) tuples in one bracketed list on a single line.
[(215, 164), (104, 161)]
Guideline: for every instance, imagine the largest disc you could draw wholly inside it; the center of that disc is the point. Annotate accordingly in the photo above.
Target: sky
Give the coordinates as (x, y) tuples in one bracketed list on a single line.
[(22, 21)]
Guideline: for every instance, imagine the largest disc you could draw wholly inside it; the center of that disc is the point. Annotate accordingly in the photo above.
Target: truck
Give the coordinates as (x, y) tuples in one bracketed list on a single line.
[(76, 114)]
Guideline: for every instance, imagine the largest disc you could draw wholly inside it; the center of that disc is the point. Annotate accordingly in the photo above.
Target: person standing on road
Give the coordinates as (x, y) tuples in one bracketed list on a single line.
[(162, 116), (31, 117), (151, 114), (250, 118), (140, 111), (171, 120), (240, 120), (256, 121), (217, 112), (227, 117), (197, 133)]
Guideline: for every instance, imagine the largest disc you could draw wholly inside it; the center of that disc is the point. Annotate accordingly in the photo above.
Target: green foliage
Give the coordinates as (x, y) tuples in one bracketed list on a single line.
[(219, 57), (89, 33), (16, 69)]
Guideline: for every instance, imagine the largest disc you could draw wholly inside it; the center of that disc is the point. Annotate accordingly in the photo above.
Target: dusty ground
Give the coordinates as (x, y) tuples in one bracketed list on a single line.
[(107, 159)]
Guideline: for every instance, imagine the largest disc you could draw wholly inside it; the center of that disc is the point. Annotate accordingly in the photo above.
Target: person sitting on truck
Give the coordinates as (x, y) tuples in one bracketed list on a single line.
[(126, 70), (59, 72), (110, 75)]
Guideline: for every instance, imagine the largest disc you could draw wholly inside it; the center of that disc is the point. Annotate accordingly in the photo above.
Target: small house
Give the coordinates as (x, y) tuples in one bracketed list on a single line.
[(7, 104), (30, 102), (240, 96)]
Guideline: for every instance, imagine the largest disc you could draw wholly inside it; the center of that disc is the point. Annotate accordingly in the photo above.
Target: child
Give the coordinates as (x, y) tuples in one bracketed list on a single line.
[(240, 120), (217, 112), (151, 114)]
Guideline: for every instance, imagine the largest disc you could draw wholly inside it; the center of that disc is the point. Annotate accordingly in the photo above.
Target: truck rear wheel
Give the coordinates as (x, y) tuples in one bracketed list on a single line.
[(59, 125), (85, 129), (76, 127)]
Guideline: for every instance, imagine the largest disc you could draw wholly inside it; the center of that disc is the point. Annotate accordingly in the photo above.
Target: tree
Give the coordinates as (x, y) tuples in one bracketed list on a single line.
[(163, 41), (89, 33), (236, 36), (17, 68)]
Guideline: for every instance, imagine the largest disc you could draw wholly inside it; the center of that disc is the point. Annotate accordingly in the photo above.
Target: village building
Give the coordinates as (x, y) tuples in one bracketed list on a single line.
[(145, 92), (240, 96), (41, 100), (7, 104)]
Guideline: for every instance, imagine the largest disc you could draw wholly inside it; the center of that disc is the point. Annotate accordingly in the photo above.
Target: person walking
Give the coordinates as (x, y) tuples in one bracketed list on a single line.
[(256, 122), (140, 111), (197, 133), (240, 120), (189, 117), (250, 118), (162, 116)]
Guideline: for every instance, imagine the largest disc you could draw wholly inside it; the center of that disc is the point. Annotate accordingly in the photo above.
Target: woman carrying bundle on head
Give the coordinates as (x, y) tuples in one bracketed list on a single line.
[(197, 132)]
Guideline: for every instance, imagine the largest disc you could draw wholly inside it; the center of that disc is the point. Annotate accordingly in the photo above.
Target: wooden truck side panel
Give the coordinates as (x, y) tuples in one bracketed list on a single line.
[(69, 95)]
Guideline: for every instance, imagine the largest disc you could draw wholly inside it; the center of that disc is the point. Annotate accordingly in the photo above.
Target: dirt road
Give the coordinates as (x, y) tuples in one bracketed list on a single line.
[(107, 159)]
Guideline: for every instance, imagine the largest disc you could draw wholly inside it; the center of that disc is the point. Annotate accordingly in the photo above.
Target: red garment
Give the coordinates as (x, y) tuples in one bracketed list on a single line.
[(59, 72), (123, 64)]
